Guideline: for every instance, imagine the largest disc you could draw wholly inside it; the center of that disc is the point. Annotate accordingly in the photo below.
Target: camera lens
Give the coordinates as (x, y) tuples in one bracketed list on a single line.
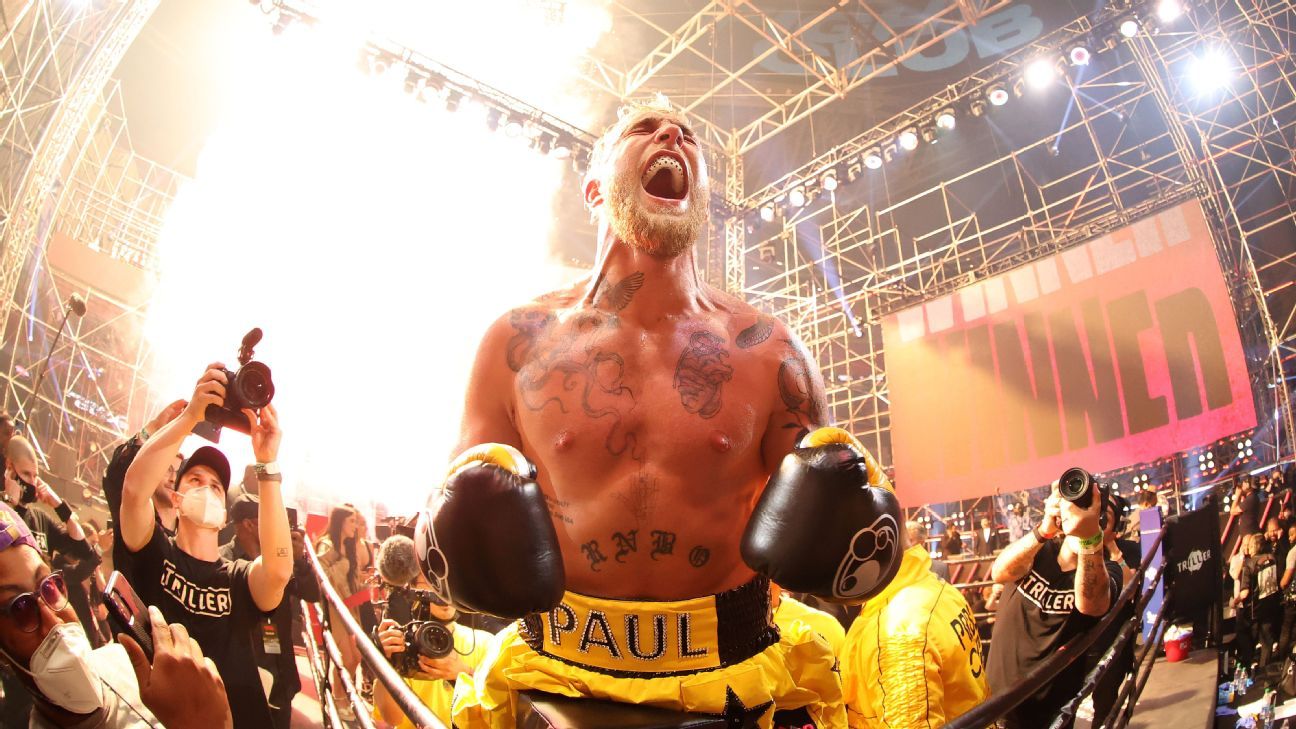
[(433, 640), (1076, 486), (254, 386)]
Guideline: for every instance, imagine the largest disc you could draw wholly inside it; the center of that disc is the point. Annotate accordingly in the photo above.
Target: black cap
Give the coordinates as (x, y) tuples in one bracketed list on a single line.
[(211, 458), (245, 506)]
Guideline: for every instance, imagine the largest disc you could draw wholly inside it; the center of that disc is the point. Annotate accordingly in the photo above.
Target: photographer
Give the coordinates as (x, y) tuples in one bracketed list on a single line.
[(432, 679), (218, 601), (272, 638), (1055, 589), (23, 486)]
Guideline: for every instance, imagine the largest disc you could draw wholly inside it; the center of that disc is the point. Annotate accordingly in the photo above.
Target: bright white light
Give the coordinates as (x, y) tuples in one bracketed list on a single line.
[(797, 197), (1129, 28), (828, 181), (1169, 11), (1210, 71), (767, 213), (373, 243), (945, 120), (998, 96), (873, 158), (1080, 56), (908, 140), (1248, 442), (1040, 73)]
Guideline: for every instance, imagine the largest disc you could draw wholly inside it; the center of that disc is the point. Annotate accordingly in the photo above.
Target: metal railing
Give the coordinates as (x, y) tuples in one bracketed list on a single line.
[(371, 657)]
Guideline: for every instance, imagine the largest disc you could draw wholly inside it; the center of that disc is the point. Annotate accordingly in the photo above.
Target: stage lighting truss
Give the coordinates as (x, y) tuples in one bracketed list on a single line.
[(1219, 149)]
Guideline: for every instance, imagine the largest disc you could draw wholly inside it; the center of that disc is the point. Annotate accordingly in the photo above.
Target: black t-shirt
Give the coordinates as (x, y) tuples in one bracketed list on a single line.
[(1249, 519), (1036, 617), (1260, 574), (52, 536), (214, 603)]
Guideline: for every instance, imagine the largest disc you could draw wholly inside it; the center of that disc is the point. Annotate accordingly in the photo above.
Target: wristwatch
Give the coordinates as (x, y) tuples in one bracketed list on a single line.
[(268, 471)]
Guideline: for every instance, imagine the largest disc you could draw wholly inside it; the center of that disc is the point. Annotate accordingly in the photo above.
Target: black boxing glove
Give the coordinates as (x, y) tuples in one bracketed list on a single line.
[(828, 522), (487, 543)]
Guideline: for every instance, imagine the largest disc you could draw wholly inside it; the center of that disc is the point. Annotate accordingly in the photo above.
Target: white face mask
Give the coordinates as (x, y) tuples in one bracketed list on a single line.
[(204, 507), (62, 671)]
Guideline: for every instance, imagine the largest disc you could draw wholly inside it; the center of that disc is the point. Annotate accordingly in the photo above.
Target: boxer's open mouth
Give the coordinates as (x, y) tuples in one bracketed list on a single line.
[(665, 177)]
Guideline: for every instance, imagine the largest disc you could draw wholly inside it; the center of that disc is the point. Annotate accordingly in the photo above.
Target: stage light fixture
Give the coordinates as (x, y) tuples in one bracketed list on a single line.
[(1040, 73), (1248, 442), (1210, 71), (1249, 452), (562, 149), (977, 107), (1080, 56), (828, 180), (945, 119), (1129, 27), (797, 197), (1169, 11), (767, 212), (873, 158), (493, 119), (908, 139), (544, 144), (513, 128), (998, 95), (1201, 458), (1240, 446)]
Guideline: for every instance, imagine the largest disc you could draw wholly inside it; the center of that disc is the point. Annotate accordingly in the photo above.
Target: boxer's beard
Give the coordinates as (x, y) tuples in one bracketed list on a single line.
[(655, 233)]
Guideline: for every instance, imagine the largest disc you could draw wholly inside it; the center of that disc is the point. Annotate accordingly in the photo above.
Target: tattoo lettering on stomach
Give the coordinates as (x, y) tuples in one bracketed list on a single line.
[(625, 544)]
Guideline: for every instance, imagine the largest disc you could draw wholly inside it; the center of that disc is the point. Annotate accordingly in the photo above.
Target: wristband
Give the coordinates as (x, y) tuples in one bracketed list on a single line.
[(272, 477), (265, 470), (1039, 537), (63, 510), (1090, 545)]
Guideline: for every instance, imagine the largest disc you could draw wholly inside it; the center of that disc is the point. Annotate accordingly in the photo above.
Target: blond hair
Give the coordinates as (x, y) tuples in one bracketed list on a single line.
[(1252, 544)]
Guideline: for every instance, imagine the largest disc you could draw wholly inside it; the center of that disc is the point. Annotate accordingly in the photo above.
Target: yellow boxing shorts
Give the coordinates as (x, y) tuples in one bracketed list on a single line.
[(719, 655)]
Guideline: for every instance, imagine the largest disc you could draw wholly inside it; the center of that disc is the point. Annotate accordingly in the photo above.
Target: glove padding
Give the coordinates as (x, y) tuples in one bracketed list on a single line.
[(828, 522), (487, 543)]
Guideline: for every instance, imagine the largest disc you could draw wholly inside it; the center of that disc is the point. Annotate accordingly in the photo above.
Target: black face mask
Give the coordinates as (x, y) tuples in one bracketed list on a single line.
[(28, 493)]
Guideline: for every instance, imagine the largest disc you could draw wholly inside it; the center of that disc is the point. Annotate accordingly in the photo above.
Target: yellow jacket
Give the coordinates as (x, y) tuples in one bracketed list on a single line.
[(471, 645), (913, 656), (790, 610)]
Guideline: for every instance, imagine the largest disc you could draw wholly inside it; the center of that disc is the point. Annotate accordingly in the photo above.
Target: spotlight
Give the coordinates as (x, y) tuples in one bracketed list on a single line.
[(1201, 458), (1080, 56), (929, 135), (1240, 446), (767, 212), (998, 95), (873, 158), (945, 120), (977, 107), (1249, 452), (544, 144), (797, 197), (513, 128), (828, 181), (562, 149), (1248, 442), (1210, 71), (1040, 73), (908, 139), (1129, 28), (1169, 11)]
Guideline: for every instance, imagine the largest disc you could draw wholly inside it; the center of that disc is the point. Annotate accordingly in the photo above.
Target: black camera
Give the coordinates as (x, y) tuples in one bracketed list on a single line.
[(424, 634), (1079, 487), (249, 387)]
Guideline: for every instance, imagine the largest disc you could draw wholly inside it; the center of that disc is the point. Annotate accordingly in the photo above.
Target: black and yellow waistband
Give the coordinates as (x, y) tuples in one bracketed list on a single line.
[(632, 639)]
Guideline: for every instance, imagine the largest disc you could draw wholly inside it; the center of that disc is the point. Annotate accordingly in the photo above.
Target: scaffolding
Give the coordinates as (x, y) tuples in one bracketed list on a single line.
[(1134, 138), (74, 191)]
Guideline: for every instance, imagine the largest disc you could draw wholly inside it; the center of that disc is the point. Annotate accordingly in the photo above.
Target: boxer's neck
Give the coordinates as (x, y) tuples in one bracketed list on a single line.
[(638, 286)]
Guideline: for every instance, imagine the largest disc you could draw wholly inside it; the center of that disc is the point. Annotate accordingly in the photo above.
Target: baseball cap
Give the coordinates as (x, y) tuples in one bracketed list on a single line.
[(211, 458), (245, 506), (13, 530)]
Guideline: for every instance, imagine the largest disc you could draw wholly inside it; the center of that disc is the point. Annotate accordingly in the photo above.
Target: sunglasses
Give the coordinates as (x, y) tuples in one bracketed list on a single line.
[(24, 610)]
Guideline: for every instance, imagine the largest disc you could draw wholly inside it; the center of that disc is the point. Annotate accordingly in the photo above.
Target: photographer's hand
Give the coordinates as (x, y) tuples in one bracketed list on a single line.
[(447, 668), (182, 686), (265, 433), (210, 390), (391, 638), (169, 413)]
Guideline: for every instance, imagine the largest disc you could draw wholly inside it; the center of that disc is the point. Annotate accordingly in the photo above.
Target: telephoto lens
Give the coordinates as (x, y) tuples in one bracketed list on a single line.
[(1077, 486)]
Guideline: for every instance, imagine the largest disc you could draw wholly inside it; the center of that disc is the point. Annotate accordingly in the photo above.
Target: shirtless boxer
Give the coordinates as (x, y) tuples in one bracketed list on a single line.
[(653, 409)]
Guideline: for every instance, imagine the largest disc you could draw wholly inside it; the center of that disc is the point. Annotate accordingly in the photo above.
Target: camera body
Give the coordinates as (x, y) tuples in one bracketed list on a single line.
[(248, 387), (1080, 487), (424, 635)]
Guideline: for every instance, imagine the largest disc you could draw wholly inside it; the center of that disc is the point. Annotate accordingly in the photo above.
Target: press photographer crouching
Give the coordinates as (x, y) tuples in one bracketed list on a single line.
[(421, 637)]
